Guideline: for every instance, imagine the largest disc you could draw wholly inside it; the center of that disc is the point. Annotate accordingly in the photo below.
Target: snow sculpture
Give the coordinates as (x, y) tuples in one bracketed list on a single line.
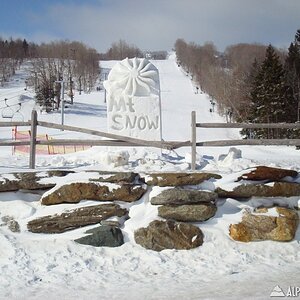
[(133, 99)]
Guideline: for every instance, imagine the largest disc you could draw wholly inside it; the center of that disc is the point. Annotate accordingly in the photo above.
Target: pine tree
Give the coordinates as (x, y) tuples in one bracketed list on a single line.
[(292, 73), (269, 94), (297, 37)]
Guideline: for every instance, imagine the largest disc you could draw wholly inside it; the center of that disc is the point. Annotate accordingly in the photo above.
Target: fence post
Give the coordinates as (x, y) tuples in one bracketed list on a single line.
[(33, 139), (193, 162)]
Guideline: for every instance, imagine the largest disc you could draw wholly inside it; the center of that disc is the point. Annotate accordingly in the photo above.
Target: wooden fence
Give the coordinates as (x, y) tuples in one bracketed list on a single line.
[(113, 139), (240, 142), (123, 141)]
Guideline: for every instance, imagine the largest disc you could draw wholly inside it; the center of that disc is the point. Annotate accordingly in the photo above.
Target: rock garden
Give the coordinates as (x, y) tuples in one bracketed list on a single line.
[(184, 201)]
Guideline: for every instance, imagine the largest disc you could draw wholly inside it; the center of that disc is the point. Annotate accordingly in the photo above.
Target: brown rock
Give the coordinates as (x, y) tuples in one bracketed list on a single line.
[(32, 180), (75, 218), (29, 180), (261, 227), (179, 196), (279, 189), (160, 235), (267, 173), (75, 192), (116, 177), (188, 213), (178, 179)]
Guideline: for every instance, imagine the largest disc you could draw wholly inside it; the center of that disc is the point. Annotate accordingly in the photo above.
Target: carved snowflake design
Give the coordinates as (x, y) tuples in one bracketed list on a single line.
[(134, 77)]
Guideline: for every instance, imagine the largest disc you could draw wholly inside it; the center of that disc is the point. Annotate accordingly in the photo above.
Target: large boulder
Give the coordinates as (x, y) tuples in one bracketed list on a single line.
[(188, 213), (278, 189), (178, 179), (108, 236), (268, 173), (255, 227), (75, 218), (161, 235), (77, 191), (179, 196)]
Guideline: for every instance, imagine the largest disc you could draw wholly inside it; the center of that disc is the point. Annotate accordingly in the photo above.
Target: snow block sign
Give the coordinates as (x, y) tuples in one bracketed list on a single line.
[(133, 99)]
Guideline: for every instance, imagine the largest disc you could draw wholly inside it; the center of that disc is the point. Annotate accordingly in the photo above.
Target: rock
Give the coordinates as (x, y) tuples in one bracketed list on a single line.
[(108, 236), (29, 180), (110, 223), (77, 191), (32, 180), (160, 235), (278, 189), (11, 223), (116, 177), (267, 173), (256, 227), (179, 196), (178, 179), (8, 185), (188, 213), (13, 226), (75, 218)]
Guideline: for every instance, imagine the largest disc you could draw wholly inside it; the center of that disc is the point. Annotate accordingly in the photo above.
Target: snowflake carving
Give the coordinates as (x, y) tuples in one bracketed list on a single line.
[(133, 77)]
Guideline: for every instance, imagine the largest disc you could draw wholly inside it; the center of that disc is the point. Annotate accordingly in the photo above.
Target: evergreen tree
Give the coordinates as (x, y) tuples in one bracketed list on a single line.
[(297, 37), (25, 47), (269, 94), (292, 73)]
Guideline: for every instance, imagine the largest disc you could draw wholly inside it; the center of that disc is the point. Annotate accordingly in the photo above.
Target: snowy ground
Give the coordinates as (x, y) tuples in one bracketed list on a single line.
[(34, 266)]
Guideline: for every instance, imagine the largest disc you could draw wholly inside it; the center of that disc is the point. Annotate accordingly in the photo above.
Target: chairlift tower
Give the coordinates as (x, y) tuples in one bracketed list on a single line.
[(62, 90)]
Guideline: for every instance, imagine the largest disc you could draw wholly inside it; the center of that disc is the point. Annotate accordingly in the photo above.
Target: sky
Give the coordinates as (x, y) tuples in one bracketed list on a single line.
[(152, 24)]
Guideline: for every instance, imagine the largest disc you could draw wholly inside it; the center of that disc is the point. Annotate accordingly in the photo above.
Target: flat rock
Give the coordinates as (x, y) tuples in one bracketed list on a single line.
[(267, 173), (187, 213), (161, 235), (116, 177), (77, 191), (278, 189), (178, 179), (29, 180), (179, 196), (256, 227), (75, 218), (103, 236)]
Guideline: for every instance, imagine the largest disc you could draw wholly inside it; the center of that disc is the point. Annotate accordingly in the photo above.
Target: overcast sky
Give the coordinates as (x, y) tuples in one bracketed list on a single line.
[(152, 24)]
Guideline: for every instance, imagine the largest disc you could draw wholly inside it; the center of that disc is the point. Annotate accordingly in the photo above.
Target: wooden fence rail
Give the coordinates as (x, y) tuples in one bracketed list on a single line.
[(123, 141), (241, 142), (113, 139)]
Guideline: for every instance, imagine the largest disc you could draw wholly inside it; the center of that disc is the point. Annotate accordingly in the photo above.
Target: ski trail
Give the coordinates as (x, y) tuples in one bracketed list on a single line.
[(179, 100)]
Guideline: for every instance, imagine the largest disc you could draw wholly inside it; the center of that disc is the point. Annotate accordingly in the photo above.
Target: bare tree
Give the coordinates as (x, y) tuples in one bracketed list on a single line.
[(73, 62)]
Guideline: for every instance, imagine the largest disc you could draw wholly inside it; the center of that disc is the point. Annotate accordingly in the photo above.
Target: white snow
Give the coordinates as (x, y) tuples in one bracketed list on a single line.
[(37, 266)]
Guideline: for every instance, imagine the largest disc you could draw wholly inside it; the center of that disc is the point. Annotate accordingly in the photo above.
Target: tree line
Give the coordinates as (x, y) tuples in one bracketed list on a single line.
[(71, 64), (249, 82), (12, 54), (121, 49)]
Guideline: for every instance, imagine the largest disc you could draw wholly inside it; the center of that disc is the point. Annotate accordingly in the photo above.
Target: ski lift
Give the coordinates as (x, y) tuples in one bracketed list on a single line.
[(7, 112), (18, 116)]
